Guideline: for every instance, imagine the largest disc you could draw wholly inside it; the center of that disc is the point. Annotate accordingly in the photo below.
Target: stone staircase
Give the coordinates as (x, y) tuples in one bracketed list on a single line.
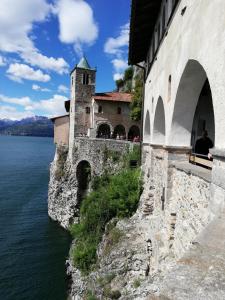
[(200, 274)]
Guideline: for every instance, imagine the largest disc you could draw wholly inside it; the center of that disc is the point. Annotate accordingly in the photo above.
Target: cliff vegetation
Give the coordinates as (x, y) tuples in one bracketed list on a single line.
[(112, 196)]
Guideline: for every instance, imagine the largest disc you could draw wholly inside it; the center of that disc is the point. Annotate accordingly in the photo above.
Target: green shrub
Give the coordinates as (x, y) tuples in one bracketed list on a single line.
[(90, 296), (137, 95), (112, 196), (62, 152), (136, 283)]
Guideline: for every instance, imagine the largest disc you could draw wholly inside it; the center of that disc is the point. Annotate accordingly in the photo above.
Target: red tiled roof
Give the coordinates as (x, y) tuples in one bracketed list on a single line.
[(113, 96)]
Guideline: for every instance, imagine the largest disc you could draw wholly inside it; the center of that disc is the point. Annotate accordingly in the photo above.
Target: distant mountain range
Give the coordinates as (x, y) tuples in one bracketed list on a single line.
[(33, 126)]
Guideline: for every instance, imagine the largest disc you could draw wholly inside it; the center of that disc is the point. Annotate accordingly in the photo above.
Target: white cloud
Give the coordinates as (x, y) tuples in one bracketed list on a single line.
[(76, 22), (10, 112), (47, 107), (119, 64), (2, 61), (18, 72), (118, 48), (63, 89), (35, 58), (23, 101), (116, 45), (16, 23), (36, 87), (117, 76)]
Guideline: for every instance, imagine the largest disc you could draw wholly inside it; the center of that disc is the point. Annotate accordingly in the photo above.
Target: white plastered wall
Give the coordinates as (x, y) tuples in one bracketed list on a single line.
[(198, 35)]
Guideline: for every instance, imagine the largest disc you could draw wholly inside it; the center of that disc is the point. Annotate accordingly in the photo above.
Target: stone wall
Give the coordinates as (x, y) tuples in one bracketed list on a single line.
[(63, 187)]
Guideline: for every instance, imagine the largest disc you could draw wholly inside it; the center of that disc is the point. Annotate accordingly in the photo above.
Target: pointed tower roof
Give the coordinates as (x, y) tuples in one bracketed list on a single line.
[(83, 63)]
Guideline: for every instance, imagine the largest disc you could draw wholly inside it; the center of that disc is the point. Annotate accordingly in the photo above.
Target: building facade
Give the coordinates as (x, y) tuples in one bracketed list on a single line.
[(94, 115), (182, 46)]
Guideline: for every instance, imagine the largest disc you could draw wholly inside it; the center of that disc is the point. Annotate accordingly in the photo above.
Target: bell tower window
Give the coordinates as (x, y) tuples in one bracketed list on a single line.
[(85, 79)]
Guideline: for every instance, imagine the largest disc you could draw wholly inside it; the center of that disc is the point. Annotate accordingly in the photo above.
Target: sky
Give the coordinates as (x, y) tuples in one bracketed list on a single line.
[(42, 40)]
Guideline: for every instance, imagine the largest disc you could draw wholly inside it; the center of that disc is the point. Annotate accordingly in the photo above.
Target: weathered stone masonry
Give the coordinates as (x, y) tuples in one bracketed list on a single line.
[(62, 203)]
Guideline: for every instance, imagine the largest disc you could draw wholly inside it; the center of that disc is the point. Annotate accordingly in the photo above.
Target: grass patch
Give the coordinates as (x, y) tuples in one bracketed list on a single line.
[(113, 238), (102, 281), (112, 196)]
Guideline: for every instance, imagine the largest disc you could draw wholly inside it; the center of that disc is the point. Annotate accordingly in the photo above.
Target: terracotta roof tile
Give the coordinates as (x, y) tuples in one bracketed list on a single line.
[(113, 96)]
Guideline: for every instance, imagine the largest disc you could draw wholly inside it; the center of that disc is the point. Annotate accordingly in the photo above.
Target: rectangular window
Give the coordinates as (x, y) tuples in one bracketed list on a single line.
[(100, 109), (88, 110), (119, 110)]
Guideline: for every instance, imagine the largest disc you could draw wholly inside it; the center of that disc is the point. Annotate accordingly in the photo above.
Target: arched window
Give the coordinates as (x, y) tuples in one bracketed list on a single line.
[(203, 128), (159, 124), (193, 109), (119, 110)]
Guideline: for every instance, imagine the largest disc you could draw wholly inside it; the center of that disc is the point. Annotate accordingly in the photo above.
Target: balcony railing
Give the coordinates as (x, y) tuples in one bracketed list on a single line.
[(201, 160)]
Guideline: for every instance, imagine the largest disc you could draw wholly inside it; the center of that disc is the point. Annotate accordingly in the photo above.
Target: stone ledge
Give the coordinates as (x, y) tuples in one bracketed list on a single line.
[(191, 169), (217, 152)]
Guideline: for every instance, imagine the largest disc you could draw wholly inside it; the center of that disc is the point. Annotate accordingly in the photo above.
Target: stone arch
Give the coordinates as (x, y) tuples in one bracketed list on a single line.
[(147, 128), (133, 132), (159, 128), (119, 132), (104, 131), (83, 176), (187, 97)]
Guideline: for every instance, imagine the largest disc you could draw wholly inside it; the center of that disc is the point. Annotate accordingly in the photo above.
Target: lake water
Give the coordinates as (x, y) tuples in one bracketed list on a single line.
[(33, 249)]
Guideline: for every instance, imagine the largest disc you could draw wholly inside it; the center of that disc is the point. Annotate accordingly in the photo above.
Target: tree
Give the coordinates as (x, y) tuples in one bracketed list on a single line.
[(136, 104)]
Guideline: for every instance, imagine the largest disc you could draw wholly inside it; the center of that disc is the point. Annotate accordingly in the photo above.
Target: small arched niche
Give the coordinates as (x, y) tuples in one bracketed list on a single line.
[(159, 130)]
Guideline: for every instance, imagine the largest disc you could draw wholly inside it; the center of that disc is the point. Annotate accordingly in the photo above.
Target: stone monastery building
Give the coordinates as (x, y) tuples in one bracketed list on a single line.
[(94, 115)]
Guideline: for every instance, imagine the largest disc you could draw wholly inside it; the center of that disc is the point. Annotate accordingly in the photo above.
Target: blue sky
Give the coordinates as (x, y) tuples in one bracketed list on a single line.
[(42, 40)]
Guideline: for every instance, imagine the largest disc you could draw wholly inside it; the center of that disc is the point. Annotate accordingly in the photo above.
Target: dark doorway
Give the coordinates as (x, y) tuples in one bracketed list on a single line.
[(134, 132), (103, 131), (204, 117), (83, 178), (119, 132)]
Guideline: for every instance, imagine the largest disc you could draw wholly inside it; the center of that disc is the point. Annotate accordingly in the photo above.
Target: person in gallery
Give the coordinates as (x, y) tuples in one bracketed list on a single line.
[(203, 145)]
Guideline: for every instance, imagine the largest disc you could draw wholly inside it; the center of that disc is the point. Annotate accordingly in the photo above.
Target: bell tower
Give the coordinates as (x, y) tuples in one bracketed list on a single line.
[(82, 82)]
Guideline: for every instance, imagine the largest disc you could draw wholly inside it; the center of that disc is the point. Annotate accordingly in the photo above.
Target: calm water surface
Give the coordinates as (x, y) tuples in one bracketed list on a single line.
[(33, 249)]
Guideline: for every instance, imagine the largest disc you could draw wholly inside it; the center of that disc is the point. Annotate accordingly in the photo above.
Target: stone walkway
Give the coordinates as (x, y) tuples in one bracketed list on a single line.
[(200, 274)]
